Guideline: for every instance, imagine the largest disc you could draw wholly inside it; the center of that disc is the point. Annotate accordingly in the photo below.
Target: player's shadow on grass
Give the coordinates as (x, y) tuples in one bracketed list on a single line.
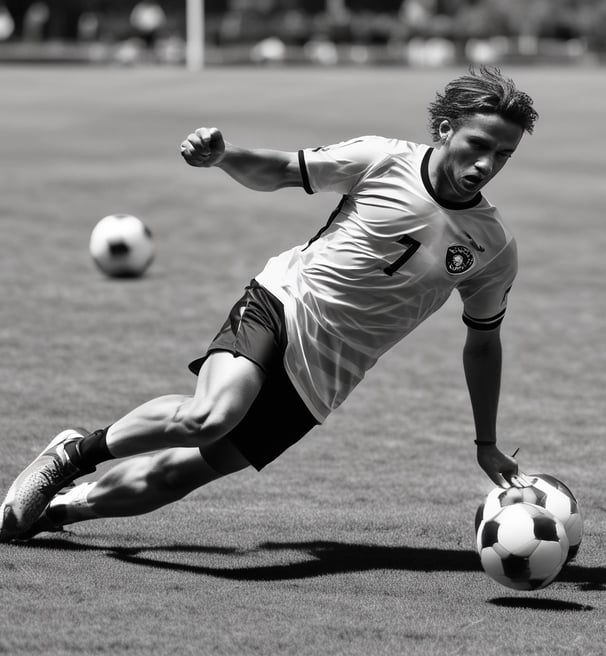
[(311, 559), (319, 558), (305, 559)]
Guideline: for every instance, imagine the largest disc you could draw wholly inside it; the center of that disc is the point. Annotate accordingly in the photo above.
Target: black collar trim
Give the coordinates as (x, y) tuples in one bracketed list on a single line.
[(431, 191)]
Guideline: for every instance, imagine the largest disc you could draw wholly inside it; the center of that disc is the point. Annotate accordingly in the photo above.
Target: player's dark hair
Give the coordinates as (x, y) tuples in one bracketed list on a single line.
[(484, 91)]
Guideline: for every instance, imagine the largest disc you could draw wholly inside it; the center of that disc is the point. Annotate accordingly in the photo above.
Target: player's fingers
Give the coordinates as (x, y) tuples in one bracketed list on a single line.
[(204, 135), (525, 480), (193, 139), (202, 146), (194, 156), (510, 474), (516, 481), (501, 481)]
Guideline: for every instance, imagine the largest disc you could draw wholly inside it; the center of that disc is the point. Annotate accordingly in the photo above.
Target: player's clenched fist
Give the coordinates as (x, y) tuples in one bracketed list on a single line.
[(204, 147)]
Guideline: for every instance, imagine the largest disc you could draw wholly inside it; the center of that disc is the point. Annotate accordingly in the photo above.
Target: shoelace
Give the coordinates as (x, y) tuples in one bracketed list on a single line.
[(57, 471)]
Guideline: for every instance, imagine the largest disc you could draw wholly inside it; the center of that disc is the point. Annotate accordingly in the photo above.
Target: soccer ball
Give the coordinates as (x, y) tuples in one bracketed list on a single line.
[(562, 503), (522, 547), (547, 492), (121, 245)]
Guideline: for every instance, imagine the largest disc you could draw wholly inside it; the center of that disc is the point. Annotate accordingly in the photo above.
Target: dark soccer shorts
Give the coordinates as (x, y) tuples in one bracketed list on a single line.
[(278, 417)]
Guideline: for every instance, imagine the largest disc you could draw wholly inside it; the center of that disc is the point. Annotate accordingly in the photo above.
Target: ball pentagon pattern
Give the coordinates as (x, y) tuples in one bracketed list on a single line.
[(545, 491), (522, 547), (562, 503)]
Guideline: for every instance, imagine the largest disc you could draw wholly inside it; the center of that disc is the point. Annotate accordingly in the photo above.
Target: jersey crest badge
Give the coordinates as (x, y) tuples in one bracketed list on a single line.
[(459, 259)]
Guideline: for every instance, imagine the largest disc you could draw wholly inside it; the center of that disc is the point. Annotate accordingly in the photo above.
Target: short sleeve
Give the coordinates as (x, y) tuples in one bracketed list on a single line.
[(339, 167), (485, 294)]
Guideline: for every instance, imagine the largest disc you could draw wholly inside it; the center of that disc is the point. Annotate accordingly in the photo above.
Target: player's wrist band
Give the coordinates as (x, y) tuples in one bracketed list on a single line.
[(480, 443)]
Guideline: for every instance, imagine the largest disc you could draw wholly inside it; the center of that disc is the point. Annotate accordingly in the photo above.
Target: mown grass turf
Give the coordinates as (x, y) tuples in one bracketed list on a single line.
[(359, 540)]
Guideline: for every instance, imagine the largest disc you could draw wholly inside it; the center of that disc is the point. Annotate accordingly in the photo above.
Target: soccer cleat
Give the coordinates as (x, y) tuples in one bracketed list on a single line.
[(37, 484), (44, 524), (50, 521)]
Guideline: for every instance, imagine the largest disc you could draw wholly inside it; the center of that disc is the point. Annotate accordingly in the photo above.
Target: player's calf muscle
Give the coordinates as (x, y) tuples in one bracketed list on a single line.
[(140, 485), (165, 481)]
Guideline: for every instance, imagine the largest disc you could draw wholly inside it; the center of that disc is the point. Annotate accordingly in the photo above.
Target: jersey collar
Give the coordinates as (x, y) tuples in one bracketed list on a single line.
[(431, 191)]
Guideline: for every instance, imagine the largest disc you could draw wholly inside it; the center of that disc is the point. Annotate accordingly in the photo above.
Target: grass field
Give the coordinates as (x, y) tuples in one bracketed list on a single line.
[(359, 540)]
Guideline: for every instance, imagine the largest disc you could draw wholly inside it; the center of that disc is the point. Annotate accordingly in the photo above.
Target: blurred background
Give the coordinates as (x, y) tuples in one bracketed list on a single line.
[(320, 32)]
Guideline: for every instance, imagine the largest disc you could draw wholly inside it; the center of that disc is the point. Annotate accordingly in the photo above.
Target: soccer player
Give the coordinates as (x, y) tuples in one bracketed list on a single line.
[(411, 226)]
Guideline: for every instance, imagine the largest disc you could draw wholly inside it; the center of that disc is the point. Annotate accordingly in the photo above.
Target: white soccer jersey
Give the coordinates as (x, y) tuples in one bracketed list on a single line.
[(389, 256)]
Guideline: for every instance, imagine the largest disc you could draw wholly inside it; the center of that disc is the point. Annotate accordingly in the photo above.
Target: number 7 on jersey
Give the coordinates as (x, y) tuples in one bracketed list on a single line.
[(412, 247)]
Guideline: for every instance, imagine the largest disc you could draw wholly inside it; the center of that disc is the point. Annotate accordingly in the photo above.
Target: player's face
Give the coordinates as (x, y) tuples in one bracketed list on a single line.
[(473, 153)]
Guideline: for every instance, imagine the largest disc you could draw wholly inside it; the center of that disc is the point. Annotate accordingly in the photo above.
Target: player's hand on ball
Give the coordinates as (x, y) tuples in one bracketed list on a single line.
[(500, 468), (203, 147)]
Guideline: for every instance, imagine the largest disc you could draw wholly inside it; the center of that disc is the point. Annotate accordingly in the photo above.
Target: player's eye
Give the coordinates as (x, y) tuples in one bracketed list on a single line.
[(479, 144)]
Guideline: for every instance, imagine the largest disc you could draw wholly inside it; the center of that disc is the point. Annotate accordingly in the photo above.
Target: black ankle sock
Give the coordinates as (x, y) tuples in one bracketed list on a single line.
[(91, 450)]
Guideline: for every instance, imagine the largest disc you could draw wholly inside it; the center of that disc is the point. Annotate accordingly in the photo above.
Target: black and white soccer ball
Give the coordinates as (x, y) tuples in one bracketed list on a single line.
[(122, 246), (547, 492), (522, 547)]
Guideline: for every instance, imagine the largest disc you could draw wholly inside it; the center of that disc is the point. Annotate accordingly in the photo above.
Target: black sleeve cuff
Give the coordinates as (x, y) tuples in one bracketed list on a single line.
[(304, 174)]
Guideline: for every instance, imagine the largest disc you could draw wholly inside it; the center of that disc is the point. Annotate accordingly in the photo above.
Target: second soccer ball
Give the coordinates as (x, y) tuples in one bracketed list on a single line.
[(121, 245)]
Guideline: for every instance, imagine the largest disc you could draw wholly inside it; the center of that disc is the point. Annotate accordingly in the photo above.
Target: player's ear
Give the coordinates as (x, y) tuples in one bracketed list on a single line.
[(445, 130)]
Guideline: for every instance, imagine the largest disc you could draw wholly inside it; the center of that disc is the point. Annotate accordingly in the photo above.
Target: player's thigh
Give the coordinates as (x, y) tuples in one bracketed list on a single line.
[(227, 386)]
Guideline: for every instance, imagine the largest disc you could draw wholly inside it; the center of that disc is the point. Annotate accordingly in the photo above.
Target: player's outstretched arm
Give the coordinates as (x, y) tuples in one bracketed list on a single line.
[(258, 169), (482, 357)]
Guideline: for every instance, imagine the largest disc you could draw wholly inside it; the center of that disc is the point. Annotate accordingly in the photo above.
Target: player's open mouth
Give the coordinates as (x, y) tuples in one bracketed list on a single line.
[(472, 181)]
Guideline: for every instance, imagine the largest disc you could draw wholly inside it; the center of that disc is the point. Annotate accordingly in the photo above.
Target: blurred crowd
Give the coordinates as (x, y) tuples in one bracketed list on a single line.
[(272, 30)]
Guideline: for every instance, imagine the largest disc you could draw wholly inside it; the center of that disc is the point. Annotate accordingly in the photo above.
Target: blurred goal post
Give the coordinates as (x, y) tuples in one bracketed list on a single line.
[(194, 35)]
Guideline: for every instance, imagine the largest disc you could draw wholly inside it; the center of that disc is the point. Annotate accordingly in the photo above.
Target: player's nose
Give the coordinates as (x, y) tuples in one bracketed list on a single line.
[(484, 165)]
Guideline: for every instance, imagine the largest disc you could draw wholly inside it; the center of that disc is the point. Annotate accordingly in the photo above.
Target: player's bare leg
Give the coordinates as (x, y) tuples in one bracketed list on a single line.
[(145, 483), (227, 386), (140, 485)]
